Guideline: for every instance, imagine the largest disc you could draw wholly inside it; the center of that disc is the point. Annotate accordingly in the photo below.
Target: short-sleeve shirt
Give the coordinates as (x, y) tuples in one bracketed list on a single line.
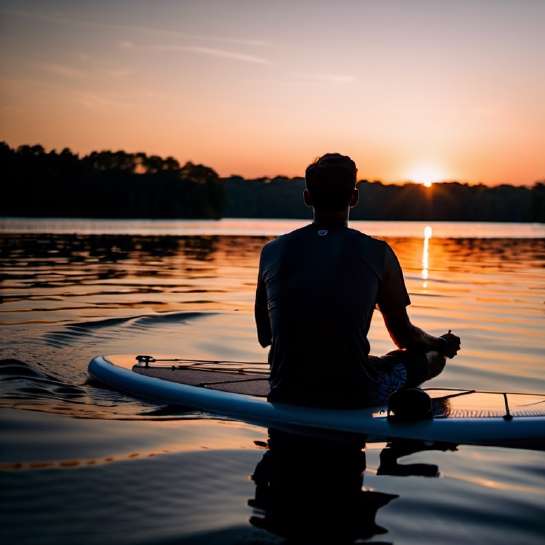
[(316, 292)]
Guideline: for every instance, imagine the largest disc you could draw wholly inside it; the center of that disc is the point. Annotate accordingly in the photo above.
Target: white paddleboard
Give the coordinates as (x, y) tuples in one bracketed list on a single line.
[(235, 391)]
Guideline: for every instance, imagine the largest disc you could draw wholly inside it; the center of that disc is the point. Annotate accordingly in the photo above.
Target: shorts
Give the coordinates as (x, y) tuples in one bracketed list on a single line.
[(384, 375), (395, 370)]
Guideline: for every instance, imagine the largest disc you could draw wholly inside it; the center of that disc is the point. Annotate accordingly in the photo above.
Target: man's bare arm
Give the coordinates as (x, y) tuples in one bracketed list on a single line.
[(407, 335)]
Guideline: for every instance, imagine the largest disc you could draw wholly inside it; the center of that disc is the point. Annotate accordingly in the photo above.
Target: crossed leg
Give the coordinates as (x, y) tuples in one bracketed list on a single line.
[(404, 369)]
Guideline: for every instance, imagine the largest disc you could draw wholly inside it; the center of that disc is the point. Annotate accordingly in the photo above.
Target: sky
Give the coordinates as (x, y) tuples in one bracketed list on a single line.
[(412, 90)]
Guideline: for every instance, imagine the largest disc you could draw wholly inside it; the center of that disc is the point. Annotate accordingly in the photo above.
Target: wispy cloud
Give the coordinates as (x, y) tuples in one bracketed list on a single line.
[(62, 20), (212, 52), (91, 69)]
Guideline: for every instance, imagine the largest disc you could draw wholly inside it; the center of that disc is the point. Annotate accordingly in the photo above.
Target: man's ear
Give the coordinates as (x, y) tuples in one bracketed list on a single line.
[(307, 197), (354, 199)]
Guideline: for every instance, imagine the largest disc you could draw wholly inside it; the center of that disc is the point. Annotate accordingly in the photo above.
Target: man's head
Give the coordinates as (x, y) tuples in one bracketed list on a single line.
[(331, 183)]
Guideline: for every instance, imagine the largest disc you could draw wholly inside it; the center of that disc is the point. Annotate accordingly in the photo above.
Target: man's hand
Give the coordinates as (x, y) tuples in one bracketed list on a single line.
[(451, 344), (407, 335)]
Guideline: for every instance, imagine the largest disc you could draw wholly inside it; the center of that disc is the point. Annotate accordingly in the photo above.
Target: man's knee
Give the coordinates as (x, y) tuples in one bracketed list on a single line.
[(436, 363)]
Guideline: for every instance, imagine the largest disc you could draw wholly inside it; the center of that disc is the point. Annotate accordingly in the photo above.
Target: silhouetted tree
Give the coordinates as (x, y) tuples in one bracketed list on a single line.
[(281, 197), (105, 184), (122, 185)]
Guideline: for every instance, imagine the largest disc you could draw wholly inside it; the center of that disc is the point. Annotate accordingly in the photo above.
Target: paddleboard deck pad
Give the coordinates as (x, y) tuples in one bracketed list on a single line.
[(238, 390)]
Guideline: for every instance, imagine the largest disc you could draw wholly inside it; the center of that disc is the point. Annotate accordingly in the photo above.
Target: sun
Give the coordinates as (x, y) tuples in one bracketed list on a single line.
[(426, 175)]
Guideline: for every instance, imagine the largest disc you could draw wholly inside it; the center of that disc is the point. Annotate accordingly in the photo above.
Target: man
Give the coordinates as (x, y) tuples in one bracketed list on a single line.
[(316, 292)]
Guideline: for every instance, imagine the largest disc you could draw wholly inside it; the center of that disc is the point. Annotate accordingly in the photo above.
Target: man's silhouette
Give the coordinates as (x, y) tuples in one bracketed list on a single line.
[(316, 292)]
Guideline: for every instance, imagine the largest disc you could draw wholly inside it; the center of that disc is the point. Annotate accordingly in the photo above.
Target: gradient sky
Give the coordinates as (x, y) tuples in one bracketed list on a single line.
[(410, 89)]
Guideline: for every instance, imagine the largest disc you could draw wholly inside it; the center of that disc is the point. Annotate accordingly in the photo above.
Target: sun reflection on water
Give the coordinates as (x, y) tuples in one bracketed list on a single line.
[(426, 256)]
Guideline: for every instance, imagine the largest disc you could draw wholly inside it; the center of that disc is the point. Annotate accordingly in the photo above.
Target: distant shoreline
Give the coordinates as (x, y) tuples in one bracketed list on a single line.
[(259, 228), (117, 184), (248, 218)]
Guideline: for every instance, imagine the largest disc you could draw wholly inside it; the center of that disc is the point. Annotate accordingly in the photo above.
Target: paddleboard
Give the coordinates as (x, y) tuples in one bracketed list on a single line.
[(238, 390)]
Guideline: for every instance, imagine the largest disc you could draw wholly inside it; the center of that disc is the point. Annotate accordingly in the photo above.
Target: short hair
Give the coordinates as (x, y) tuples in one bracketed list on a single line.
[(330, 180)]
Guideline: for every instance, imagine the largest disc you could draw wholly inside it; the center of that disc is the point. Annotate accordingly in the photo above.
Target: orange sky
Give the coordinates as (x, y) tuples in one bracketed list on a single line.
[(411, 90)]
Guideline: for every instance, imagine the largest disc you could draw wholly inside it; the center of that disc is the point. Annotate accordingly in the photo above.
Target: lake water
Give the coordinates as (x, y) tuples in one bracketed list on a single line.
[(127, 471)]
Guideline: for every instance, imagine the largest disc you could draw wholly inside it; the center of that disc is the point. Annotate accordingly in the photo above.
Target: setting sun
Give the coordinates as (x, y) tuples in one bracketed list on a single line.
[(426, 175)]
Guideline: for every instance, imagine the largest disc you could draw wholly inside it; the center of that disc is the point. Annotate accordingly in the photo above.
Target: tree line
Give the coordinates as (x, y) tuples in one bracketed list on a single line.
[(105, 184), (117, 184), (280, 197)]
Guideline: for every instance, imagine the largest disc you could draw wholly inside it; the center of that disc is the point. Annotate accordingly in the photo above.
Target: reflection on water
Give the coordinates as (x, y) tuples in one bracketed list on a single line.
[(309, 490), (67, 297), (261, 227), (155, 483), (426, 255)]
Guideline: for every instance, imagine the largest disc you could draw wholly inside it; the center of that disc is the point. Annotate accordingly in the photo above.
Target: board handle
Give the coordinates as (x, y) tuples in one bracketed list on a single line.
[(144, 361)]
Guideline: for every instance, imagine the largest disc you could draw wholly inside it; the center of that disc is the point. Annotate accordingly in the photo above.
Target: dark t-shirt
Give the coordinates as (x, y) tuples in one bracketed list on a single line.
[(316, 292)]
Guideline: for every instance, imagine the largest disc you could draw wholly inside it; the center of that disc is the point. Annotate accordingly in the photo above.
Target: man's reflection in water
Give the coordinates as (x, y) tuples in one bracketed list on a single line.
[(309, 490)]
